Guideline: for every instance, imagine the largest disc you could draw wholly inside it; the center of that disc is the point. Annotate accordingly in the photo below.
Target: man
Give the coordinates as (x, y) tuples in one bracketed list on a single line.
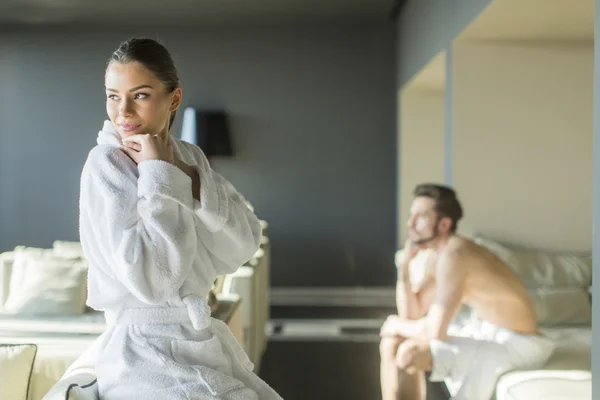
[(458, 272)]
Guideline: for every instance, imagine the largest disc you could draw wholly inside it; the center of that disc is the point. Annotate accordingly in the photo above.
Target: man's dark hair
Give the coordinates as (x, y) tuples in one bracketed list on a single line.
[(446, 203)]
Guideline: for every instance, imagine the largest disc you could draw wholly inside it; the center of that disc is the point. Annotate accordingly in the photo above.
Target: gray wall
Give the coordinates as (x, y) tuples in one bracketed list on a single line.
[(313, 116), (427, 26)]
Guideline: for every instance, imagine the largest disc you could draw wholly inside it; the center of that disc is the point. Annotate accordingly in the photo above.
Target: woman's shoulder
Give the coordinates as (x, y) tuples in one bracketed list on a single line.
[(106, 158)]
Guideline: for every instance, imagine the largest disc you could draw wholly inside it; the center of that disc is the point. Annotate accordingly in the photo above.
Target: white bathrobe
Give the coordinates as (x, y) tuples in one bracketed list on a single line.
[(154, 252)]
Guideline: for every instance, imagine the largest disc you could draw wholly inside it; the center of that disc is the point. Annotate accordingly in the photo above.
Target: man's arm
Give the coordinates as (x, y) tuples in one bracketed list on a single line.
[(449, 287), (451, 275), (413, 305), (407, 301)]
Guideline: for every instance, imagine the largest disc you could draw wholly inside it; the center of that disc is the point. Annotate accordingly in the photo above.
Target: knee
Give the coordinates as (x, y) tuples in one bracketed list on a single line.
[(388, 347)]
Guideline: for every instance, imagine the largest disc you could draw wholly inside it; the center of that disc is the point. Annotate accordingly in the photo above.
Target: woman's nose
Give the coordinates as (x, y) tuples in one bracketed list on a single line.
[(125, 108)]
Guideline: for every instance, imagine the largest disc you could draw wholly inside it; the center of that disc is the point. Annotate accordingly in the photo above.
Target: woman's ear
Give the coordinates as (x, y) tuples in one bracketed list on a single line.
[(176, 99)]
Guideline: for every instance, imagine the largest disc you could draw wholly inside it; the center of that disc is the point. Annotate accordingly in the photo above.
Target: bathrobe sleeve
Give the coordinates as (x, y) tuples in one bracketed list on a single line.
[(143, 225), (234, 231)]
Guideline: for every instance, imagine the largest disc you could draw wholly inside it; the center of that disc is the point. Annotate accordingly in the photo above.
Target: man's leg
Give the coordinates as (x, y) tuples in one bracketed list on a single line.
[(472, 365), (396, 383)]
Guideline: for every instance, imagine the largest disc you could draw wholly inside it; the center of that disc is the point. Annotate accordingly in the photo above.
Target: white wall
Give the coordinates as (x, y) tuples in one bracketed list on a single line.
[(421, 147), (523, 142)]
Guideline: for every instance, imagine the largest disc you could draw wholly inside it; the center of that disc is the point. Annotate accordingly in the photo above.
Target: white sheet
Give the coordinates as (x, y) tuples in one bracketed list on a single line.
[(567, 375), (91, 322)]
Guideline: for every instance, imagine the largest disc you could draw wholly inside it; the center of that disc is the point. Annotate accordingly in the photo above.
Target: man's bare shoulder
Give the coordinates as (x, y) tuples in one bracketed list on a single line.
[(465, 252), (460, 253), (458, 248)]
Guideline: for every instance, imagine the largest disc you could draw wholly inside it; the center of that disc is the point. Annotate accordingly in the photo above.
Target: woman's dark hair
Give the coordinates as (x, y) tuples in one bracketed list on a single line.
[(153, 56), (446, 203)]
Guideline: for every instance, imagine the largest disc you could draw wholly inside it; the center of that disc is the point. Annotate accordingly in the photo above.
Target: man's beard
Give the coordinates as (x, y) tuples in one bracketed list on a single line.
[(433, 236)]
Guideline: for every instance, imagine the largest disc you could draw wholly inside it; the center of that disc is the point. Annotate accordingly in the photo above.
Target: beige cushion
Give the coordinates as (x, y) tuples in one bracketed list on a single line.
[(67, 249), (55, 356), (16, 364), (6, 263), (562, 306), (540, 268), (42, 283)]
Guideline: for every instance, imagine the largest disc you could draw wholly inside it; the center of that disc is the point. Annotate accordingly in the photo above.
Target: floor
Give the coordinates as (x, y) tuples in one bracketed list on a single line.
[(326, 353)]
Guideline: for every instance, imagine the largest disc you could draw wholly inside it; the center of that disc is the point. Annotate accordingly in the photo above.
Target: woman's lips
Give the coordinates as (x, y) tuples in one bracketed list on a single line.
[(129, 127)]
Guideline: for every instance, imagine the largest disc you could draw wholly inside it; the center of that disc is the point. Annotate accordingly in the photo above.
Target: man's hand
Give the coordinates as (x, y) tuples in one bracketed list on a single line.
[(409, 252), (390, 326), (397, 326), (414, 355), (407, 328)]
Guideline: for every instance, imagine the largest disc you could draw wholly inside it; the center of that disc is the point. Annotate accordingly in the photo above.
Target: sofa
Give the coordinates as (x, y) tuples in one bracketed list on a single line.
[(47, 332), (559, 283), (251, 282)]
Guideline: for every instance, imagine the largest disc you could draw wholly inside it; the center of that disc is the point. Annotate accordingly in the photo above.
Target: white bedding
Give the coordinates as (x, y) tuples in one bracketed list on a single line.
[(573, 348), (567, 375), (91, 322)]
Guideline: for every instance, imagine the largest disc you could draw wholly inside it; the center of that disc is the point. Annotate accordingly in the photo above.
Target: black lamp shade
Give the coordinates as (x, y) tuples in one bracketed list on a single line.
[(209, 130)]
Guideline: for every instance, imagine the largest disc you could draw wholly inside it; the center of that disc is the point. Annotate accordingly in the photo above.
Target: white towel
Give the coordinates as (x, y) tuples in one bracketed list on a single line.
[(154, 249), (479, 353)]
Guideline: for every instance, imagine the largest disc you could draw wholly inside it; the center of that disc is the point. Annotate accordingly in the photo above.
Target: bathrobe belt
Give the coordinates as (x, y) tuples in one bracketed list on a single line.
[(197, 311)]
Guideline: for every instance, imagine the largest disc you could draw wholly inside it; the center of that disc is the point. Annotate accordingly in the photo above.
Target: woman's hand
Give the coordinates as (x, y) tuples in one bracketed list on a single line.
[(144, 147)]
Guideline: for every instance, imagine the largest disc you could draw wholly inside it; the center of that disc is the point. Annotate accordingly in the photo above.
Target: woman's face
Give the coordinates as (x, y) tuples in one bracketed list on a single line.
[(137, 101)]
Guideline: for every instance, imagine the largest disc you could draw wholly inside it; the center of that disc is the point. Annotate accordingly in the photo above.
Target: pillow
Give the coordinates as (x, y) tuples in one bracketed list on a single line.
[(543, 268), (16, 365), (42, 283), (6, 267), (562, 306), (66, 249), (6, 262)]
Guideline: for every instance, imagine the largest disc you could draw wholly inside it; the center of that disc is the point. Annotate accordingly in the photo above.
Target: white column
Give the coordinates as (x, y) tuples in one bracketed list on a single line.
[(421, 147), (448, 119), (596, 212)]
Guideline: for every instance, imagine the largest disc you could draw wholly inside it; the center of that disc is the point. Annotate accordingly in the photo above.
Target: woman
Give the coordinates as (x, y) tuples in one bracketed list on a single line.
[(157, 225)]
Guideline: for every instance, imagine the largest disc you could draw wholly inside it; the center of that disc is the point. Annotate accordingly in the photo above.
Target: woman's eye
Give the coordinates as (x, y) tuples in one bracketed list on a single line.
[(112, 97), (141, 96)]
